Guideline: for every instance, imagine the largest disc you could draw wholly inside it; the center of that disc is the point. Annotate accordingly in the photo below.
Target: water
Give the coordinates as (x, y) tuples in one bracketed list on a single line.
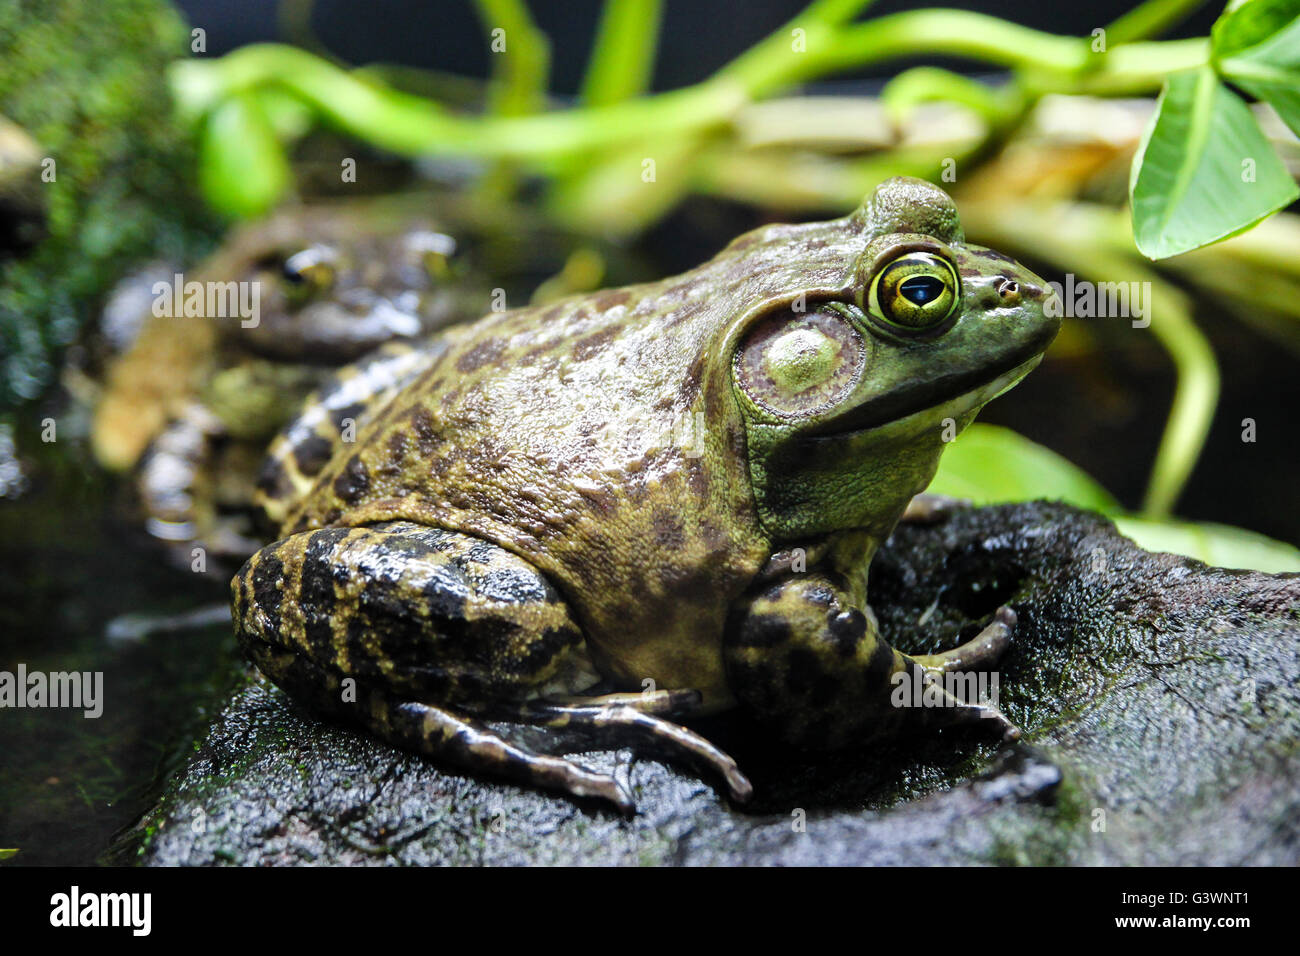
[(71, 563)]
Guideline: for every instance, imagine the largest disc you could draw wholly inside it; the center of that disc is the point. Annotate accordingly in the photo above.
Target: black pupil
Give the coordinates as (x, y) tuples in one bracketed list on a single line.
[(920, 290)]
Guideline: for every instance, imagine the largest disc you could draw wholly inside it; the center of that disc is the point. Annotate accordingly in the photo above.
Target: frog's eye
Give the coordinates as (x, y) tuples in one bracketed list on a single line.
[(796, 363), (915, 292), (436, 251), (310, 272)]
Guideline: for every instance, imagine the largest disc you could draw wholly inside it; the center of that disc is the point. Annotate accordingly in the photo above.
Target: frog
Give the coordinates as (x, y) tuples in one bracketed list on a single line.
[(612, 515), (192, 403)]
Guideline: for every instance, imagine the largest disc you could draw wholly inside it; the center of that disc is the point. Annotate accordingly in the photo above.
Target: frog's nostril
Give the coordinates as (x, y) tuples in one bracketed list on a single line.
[(1009, 291)]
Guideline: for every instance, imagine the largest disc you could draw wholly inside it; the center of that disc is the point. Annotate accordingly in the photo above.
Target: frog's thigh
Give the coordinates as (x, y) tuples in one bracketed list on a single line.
[(422, 621), (346, 400), (432, 614), (800, 654)]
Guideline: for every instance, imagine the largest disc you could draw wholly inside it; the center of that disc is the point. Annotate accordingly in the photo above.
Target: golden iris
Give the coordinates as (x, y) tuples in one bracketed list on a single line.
[(310, 272), (915, 292)]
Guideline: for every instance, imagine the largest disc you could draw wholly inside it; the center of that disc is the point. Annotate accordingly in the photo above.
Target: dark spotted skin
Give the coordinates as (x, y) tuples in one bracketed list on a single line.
[(346, 400), (670, 518)]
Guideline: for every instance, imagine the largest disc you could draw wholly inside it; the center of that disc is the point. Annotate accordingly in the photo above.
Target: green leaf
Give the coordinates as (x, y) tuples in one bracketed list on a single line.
[(1215, 544), (989, 464), (1204, 171), (1245, 23), (1270, 71), (7, 853), (243, 170)]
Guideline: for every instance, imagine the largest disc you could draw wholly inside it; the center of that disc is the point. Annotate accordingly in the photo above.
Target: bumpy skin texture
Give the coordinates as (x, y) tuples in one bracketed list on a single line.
[(666, 458)]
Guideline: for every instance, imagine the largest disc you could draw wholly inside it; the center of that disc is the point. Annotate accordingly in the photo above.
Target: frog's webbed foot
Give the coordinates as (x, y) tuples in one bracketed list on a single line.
[(434, 731), (431, 730), (617, 719), (926, 508)]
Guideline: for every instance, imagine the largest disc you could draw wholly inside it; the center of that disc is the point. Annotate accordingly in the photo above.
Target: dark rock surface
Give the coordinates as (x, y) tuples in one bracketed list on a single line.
[(1160, 701)]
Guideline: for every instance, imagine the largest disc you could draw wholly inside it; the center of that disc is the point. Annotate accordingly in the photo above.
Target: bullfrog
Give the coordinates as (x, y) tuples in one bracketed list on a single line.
[(194, 401), (624, 509)]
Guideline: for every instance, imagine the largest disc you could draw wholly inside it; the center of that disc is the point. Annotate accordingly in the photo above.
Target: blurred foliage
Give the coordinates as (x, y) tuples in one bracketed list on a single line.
[(85, 80), (990, 465)]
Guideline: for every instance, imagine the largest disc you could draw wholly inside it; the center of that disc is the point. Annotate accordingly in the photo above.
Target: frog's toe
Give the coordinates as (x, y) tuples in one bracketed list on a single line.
[(578, 781), (615, 723), (440, 733), (659, 703), (979, 653)]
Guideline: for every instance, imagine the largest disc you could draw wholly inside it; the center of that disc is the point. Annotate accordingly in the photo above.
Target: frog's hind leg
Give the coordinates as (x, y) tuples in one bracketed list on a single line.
[(414, 632), (435, 732), (332, 415)]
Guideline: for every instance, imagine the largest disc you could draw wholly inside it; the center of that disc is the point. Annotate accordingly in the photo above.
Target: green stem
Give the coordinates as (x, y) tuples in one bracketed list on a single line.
[(521, 70), (622, 60), (1195, 396), (414, 126), (411, 125), (928, 84), (1149, 19)]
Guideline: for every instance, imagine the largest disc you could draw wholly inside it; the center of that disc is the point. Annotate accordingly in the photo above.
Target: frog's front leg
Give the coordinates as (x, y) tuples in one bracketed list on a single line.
[(803, 657), (175, 485)]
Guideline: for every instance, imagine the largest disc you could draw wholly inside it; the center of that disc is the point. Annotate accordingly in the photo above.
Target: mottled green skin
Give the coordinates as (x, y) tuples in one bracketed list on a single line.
[(620, 447)]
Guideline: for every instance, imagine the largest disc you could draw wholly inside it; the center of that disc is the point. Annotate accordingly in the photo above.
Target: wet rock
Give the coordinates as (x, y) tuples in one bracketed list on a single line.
[(1160, 701)]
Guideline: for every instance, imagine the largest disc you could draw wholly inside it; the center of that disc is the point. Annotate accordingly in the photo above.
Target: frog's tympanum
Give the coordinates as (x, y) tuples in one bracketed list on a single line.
[(643, 503)]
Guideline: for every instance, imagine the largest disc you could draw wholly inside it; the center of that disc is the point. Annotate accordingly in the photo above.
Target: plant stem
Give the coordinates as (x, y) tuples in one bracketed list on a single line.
[(522, 69), (411, 125), (622, 60), (1149, 19)]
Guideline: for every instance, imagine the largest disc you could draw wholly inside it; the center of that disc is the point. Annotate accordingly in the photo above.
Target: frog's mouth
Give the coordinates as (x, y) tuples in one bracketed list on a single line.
[(930, 402)]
